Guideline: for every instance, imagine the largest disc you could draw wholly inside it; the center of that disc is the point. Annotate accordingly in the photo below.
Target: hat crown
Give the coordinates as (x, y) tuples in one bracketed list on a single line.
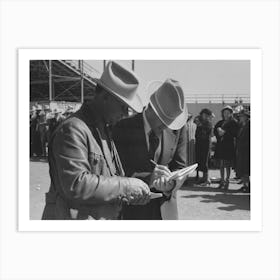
[(168, 100), (119, 80), (228, 107)]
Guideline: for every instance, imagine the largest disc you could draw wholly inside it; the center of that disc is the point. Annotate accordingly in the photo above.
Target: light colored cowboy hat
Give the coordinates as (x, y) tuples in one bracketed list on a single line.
[(229, 108), (168, 102), (123, 84)]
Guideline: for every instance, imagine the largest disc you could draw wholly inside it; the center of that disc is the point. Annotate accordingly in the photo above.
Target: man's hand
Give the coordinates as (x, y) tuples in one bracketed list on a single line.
[(163, 184), (137, 192), (221, 132), (166, 186), (160, 171)]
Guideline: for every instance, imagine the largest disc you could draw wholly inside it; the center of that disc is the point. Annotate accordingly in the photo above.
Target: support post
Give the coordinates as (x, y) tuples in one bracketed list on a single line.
[(133, 65), (104, 64), (50, 81), (81, 62)]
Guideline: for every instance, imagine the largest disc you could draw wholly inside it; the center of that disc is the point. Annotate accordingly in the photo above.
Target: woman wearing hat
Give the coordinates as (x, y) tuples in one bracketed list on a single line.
[(202, 143), (226, 131), (243, 150)]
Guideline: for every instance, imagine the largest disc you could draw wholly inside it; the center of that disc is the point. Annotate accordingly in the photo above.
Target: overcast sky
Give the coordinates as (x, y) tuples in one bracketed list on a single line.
[(230, 77)]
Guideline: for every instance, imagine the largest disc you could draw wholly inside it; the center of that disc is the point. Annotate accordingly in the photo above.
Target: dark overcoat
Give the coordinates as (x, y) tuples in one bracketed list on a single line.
[(202, 145), (130, 139), (225, 147)]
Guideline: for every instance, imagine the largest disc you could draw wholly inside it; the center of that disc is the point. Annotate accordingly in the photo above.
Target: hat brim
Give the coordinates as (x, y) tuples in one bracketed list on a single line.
[(136, 104), (229, 109), (178, 122)]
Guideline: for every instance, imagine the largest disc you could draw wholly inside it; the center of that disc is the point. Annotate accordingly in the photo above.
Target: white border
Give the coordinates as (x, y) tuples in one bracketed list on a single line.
[(254, 55)]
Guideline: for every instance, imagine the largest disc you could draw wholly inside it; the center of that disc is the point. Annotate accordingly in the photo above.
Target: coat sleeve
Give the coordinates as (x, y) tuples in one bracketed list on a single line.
[(180, 156), (218, 124), (70, 170)]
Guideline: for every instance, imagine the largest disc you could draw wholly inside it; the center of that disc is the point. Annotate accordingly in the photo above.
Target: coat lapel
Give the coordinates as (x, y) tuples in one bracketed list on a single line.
[(139, 136), (107, 154), (88, 116), (168, 144)]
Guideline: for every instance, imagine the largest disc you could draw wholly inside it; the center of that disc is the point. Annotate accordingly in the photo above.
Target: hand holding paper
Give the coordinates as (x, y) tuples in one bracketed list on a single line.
[(172, 182), (183, 172), (160, 171)]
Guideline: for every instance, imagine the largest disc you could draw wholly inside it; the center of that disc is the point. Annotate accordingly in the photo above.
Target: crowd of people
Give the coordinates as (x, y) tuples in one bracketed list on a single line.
[(231, 135), (42, 122), (107, 164)]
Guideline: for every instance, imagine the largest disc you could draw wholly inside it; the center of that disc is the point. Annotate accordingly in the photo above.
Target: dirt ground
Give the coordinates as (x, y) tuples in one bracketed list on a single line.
[(194, 202)]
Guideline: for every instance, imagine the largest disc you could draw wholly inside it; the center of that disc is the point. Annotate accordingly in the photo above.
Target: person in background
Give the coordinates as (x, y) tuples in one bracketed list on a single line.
[(55, 120), (43, 132), (203, 136), (87, 178), (243, 151), (197, 123), (191, 128), (225, 131), (69, 111), (157, 134), (35, 132), (32, 127)]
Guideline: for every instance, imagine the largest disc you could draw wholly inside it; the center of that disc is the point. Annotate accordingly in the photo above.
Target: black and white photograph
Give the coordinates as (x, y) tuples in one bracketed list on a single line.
[(140, 139)]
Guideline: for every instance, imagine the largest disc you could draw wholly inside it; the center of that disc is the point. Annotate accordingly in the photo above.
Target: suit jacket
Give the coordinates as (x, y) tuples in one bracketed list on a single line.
[(84, 184), (130, 139)]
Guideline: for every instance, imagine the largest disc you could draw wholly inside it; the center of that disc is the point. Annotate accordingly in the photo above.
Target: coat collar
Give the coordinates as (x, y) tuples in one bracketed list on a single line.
[(97, 128), (168, 139)]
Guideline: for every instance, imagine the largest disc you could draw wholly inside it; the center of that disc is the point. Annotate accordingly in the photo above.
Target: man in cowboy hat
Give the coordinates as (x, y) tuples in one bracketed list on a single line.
[(87, 179), (158, 134)]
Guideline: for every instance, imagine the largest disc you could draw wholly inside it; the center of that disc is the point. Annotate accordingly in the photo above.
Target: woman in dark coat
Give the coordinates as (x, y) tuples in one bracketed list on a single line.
[(243, 151), (226, 132), (203, 142)]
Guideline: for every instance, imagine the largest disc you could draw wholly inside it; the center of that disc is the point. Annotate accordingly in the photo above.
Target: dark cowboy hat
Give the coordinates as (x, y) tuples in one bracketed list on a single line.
[(207, 112)]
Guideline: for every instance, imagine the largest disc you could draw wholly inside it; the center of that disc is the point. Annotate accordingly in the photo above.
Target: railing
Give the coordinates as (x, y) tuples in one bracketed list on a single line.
[(217, 98), (192, 96), (84, 68)]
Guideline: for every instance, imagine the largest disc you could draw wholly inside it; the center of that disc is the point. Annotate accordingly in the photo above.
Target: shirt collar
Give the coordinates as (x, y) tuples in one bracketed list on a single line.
[(147, 126)]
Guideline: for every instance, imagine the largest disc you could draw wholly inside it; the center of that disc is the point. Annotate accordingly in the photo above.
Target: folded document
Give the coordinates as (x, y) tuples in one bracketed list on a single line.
[(182, 172)]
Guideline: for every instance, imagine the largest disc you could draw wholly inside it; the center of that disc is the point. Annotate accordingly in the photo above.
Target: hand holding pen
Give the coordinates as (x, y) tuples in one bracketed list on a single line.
[(159, 178)]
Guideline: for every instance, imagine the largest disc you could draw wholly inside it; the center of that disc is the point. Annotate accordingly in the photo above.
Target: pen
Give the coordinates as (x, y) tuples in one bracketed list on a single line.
[(153, 162)]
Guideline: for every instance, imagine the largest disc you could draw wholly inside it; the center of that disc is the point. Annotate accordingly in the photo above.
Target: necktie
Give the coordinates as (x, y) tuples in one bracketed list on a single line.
[(153, 144), (114, 154)]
